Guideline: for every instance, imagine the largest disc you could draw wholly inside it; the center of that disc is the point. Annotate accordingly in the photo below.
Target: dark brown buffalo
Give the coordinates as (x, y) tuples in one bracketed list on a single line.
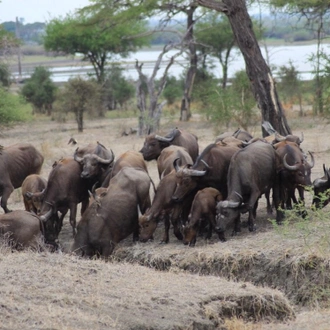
[(209, 170), (33, 188), (21, 229), (115, 216), (295, 172), (96, 161), (130, 158), (65, 190), (16, 163), (203, 210), (321, 188), (163, 207), (252, 172), (168, 156), (290, 138), (154, 144), (239, 134)]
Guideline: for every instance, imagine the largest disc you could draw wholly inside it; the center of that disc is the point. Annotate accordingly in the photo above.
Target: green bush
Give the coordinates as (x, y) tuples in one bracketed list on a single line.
[(40, 90), (12, 108), (173, 89)]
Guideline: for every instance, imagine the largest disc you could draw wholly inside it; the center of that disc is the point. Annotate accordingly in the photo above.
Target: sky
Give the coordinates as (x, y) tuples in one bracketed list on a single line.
[(38, 10)]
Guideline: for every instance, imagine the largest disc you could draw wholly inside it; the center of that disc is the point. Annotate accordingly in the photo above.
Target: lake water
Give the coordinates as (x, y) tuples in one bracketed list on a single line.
[(277, 56)]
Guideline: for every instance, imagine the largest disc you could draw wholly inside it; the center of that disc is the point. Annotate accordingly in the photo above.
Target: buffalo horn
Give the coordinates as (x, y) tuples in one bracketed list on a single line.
[(46, 216), (312, 160), (104, 161), (76, 158), (287, 166), (168, 138), (194, 172), (29, 194), (229, 204), (205, 163), (175, 164), (163, 138)]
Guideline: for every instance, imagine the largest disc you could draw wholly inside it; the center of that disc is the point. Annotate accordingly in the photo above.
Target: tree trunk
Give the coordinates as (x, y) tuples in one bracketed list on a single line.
[(257, 69), (190, 77), (80, 121)]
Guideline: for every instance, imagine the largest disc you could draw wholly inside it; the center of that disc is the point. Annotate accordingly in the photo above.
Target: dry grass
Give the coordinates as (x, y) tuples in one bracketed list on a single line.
[(253, 281)]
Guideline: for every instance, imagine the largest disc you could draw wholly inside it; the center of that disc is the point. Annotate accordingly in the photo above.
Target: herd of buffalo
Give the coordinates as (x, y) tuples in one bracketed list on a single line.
[(203, 191)]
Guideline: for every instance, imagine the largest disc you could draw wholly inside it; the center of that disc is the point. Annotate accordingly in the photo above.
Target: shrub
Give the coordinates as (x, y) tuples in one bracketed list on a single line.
[(12, 108), (40, 90)]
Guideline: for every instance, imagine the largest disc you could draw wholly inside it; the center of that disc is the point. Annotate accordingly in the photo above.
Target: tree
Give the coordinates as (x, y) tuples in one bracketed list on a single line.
[(290, 84), (8, 47), (215, 37), (148, 94), (257, 70), (98, 41), (117, 89), (80, 96), (40, 90), (317, 13)]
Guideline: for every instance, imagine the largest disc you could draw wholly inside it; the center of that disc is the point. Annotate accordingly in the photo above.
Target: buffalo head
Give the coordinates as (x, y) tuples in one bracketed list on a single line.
[(93, 165), (228, 212), (35, 200), (148, 226), (153, 146), (300, 170), (185, 180), (321, 188)]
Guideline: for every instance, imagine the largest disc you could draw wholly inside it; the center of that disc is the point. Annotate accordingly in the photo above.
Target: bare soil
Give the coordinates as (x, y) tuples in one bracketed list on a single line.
[(275, 278)]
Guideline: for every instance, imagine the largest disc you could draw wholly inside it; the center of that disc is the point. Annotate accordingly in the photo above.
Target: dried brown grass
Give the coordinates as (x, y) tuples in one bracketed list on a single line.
[(194, 289)]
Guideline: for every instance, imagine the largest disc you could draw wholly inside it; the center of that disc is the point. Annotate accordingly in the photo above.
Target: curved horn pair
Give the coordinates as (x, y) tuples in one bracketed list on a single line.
[(232, 204), (169, 138), (29, 194)]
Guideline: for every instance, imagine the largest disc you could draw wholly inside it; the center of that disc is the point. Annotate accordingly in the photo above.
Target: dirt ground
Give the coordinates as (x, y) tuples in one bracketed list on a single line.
[(270, 279)]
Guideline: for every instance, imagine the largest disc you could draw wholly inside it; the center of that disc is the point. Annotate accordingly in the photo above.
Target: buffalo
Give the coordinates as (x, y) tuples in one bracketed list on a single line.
[(154, 144), (163, 207), (167, 157), (16, 163), (96, 162), (321, 188), (202, 208), (65, 190), (252, 172), (22, 229), (33, 188), (209, 170), (295, 172), (113, 217)]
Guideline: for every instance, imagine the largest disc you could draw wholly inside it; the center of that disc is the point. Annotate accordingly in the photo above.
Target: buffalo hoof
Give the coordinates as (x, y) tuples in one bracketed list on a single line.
[(252, 228), (163, 242), (235, 233)]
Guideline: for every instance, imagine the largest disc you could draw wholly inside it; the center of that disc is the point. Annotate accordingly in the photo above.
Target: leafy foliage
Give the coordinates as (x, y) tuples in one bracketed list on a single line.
[(5, 76), (98, 41), (235, 104), (173, 89), (117, 89), (80, 96), (12, 108), (40, 90)]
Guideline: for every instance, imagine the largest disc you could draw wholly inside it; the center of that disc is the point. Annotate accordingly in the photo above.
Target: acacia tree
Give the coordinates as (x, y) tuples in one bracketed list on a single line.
[(257, 69), (80, 96), (97, 41)]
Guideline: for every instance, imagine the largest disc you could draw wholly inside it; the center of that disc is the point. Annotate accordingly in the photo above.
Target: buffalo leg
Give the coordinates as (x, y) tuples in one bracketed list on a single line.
[(73, 215), (6, 193), (167, 229)]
